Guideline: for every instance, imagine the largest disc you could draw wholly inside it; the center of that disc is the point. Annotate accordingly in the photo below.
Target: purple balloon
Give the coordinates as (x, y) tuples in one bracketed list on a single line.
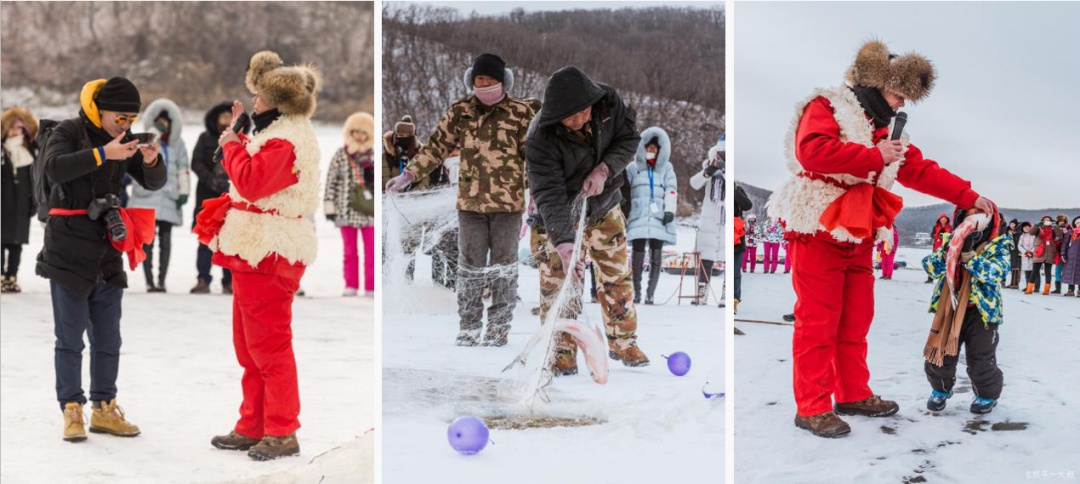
[(468, 435), (678, 363)]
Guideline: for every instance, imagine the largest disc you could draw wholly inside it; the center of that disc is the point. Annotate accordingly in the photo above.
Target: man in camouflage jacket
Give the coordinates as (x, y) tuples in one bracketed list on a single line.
[(580, 145), (490, 128)]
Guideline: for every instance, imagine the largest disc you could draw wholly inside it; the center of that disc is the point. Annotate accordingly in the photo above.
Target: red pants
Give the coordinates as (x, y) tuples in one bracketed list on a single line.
[(262, 336), (834, 286)]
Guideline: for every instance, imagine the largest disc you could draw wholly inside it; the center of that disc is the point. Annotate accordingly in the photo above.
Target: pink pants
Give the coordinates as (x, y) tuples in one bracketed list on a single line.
[(772, 256), (787, 258), (351, 265), (750, 256), (887, 263)]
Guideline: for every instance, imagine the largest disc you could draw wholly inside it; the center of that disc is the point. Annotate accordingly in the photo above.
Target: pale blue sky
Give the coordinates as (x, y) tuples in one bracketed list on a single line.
[(1002, 114)]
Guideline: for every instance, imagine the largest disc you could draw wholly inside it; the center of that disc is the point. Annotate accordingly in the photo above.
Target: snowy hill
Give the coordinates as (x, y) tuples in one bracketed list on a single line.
[(1033, 429)]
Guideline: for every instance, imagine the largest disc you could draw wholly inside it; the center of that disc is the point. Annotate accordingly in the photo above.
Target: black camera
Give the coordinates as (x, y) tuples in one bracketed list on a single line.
[(107, 207)]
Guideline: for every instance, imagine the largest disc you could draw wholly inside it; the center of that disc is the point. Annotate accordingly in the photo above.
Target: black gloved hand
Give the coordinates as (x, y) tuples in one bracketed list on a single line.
[(971, 240), (709, 170), (668, 217)]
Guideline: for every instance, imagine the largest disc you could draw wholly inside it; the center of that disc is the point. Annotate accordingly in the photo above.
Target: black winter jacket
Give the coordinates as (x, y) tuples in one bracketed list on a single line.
[(18, 201), (77, 254), (213, 181), (558, 163)]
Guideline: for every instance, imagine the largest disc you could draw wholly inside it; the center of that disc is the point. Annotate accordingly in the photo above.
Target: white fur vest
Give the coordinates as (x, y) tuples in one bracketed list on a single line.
[(285, 232), (801, 201)]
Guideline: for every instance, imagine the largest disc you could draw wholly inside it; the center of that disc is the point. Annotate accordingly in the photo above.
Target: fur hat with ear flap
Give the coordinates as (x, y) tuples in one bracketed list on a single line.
[(359, 122), (910, 75), (507, 82), (292, 90)]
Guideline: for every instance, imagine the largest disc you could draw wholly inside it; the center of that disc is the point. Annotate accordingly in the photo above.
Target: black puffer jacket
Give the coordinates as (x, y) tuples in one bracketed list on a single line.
[(18, 201), (558, 162), (213, 181), (77, 253)]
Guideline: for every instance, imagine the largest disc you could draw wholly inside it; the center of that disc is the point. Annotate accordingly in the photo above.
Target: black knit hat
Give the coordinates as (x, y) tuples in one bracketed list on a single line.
[(488, 65), (120, 95)]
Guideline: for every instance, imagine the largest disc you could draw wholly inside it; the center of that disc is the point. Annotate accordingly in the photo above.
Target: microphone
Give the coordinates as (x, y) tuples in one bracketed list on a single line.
[(898, 125), (238, 127)]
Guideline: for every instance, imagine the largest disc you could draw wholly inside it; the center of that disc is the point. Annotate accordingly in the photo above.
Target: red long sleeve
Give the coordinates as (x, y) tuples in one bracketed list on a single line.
[(928, 177), (268, 172), (819, 149)]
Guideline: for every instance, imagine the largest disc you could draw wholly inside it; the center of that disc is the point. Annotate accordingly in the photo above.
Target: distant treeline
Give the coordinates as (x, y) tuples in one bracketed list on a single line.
[(195, 53), (667, 62)]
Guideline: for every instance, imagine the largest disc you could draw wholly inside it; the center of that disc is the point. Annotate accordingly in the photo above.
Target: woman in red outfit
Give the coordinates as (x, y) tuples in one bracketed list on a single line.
[(836, 206), (941, 227), (258, 231)]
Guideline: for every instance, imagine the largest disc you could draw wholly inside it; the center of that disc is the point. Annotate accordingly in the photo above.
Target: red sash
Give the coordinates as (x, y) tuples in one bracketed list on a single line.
[(861, 209), (140, 228)]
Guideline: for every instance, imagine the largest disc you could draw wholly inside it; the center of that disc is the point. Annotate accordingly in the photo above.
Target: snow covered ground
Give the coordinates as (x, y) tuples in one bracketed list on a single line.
[(646, 416), (179, 380), (1037, 353)]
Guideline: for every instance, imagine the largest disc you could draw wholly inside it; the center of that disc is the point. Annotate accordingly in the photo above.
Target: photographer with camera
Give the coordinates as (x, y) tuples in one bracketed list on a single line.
[(400, 146), (84, 161)]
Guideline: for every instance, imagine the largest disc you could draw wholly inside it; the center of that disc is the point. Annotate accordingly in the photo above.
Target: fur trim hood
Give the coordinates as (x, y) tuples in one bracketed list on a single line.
[(8, 118), (663, 156), (291, 89), (911, 75), (359, 121), (176, 120)]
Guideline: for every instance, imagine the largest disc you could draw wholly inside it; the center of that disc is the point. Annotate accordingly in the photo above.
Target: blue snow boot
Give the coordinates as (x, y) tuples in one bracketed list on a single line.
[(936, 402), (983, 405)]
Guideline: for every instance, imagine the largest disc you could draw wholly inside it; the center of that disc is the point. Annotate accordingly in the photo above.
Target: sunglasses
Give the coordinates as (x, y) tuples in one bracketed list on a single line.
[(122, 119)]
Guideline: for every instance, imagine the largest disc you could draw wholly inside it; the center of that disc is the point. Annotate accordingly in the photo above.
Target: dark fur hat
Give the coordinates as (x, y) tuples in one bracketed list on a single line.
[(910, 75), (292, 89)]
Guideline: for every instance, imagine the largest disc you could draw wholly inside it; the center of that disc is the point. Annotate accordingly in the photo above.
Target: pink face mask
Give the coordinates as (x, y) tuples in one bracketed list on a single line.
[(490, 95)]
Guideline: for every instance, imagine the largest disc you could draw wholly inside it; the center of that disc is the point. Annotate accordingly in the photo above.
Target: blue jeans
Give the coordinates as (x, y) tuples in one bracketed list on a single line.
[(97, 315), (203, 264)]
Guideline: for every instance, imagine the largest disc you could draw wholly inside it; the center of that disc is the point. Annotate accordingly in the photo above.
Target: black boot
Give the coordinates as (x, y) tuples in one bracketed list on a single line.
[(1057, 288), (654, 274), (637, 263)]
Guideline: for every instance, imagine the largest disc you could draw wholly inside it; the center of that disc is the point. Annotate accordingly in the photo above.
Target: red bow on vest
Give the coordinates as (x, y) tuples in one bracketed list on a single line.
[(209, 221), (862, 209), (140, 228)]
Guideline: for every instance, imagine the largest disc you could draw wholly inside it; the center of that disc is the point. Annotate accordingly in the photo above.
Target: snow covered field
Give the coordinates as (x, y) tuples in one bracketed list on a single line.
[(648, 425), (1033, 430), (180, 382)]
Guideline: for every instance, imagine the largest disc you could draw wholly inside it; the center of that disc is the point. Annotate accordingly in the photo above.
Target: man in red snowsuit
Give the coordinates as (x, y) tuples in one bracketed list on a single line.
[(259, 232), (835, 207)]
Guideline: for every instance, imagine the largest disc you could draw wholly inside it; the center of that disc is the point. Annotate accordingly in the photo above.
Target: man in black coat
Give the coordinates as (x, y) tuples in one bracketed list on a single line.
[(578, 146), (85, 161), (213, 183)]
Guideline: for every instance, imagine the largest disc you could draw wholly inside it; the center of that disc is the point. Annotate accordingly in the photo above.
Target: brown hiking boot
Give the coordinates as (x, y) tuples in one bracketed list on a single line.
[(202, 287), (565, 363), (226, 289), (826, 425), (632, 356), (233, 441), (271, 447), (874, 406), (74, 422), (108, 418), (496, 335)]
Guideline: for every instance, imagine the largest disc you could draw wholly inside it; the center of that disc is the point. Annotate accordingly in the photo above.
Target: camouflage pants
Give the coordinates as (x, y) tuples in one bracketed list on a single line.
[(605, 243)]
